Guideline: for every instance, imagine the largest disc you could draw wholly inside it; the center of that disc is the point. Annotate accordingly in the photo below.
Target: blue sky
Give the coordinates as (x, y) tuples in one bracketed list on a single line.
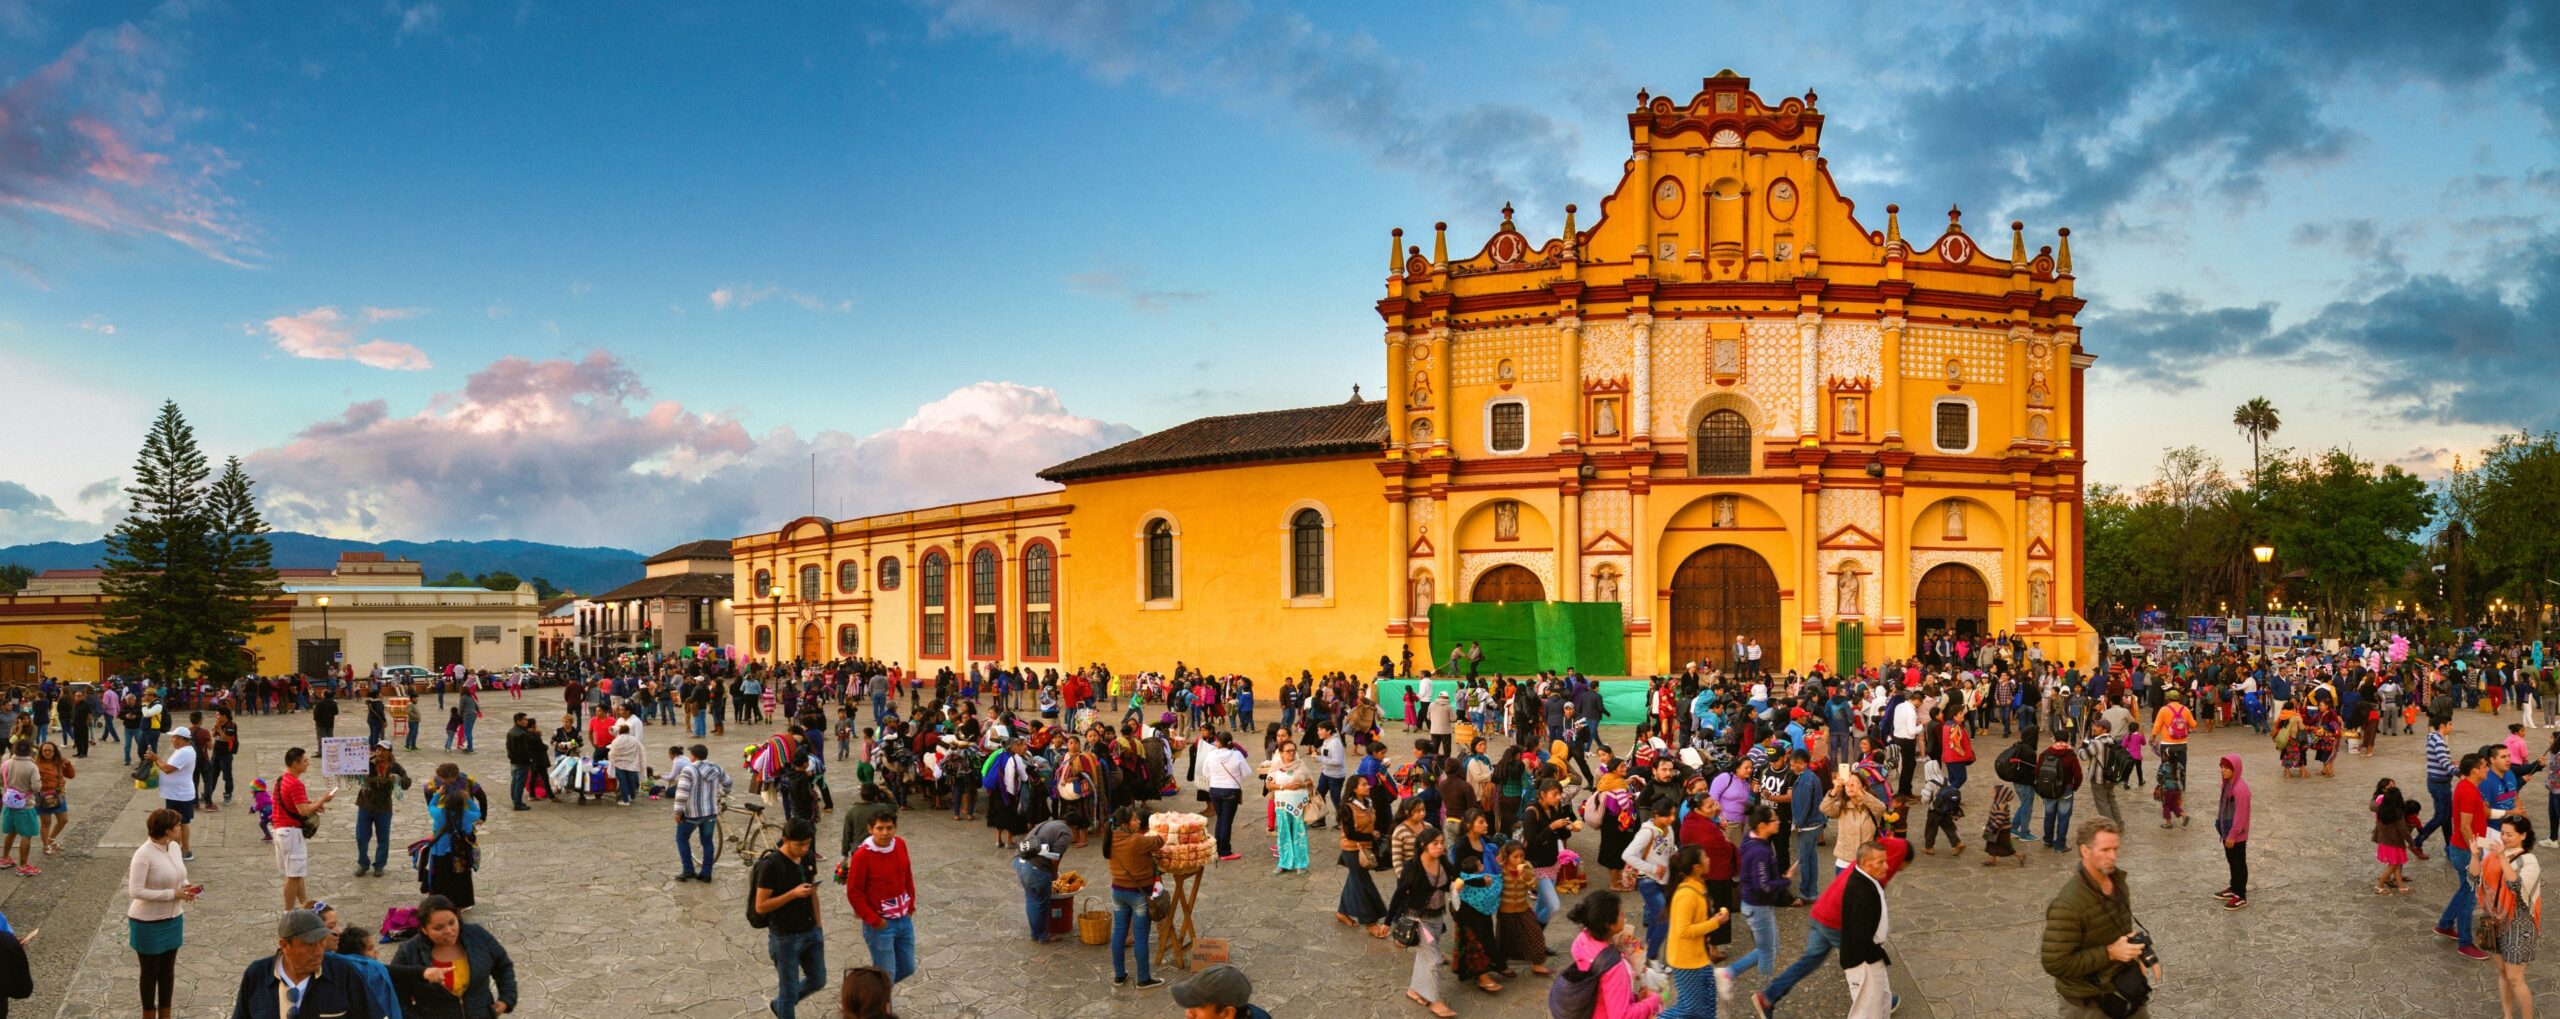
[(613, 275)]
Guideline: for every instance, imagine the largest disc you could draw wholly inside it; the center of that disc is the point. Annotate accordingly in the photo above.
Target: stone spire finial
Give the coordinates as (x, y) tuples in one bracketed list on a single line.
[(1440, 243), (1395, 252), (2017, 242), (2062, 261), (1570, 246), (1893, 224)]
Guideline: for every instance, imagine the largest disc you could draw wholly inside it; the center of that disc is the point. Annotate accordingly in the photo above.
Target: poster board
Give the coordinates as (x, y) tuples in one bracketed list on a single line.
[(343, 756)]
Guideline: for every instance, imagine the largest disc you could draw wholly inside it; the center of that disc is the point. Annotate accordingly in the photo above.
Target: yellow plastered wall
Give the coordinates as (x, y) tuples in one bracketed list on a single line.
[(56, 627), (1232, 610)]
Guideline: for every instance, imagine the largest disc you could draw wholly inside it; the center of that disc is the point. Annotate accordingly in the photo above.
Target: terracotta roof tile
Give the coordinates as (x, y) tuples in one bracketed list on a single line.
[(673, 585), (708, 548), (1237, 438)]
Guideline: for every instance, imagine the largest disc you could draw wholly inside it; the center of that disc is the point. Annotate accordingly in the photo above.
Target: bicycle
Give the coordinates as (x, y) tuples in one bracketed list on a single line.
[(756, 833)]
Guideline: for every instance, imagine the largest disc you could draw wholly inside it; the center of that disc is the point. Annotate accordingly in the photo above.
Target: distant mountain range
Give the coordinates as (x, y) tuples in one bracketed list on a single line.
[(583, 570)]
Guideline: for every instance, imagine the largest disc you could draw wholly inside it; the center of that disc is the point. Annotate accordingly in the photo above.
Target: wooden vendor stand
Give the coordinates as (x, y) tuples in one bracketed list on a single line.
[(1174, 934)]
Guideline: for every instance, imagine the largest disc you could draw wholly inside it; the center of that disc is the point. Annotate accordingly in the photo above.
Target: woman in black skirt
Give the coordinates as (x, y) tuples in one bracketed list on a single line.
[(1360, 905)]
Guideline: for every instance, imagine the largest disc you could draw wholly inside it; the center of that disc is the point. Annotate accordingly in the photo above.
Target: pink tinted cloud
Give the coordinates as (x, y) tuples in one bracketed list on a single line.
[(91, 139), (323, 334), (578, 451)]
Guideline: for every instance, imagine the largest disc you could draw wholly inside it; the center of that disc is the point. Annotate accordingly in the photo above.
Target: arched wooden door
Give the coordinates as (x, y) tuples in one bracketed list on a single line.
[(1509, 583), (1719, 592), (813, 644), (1952, 599)]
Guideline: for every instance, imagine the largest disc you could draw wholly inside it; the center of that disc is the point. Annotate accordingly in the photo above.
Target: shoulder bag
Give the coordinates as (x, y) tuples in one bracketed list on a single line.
[(2128, 990)]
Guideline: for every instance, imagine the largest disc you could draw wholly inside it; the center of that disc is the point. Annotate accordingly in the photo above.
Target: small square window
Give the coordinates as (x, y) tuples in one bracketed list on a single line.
[(1955, 426), (1507, 427)]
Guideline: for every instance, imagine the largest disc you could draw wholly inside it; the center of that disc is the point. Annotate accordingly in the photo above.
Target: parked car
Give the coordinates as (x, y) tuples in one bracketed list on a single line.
[(2124, 646), (409, 676), (2176, 643)]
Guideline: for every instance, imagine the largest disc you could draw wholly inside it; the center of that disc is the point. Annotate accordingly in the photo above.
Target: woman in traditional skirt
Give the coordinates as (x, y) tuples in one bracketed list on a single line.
[(1292, 784), (1360, 905), (1079, 789), (1005, 801), (1995, 827), (1478, 954), (2327, 734), (454, 818), (1516, 927)]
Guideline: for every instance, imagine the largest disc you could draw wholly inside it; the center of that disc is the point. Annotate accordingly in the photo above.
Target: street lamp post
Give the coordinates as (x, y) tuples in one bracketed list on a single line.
[(2263, 553), (323, 602)]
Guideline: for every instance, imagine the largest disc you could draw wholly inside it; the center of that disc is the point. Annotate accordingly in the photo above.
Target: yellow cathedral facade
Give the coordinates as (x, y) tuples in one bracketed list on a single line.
[(1728, 407)]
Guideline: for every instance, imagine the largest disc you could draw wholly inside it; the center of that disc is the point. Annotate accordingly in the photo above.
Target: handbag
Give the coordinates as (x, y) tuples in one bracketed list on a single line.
[(2128, 989), (1406, 930)]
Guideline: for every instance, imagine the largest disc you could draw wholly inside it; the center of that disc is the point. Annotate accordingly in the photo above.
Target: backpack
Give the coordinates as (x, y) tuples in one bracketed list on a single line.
[(2015, 765), (755, 880), (992, 778), (2116, 763), (1575, 992), (2178, 721), (962, 760), (1956, 746), (2049, 777)]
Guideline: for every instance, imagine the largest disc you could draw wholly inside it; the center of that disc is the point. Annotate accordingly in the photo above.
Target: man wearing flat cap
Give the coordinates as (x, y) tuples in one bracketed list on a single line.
[(1219, 992), (302, 978)]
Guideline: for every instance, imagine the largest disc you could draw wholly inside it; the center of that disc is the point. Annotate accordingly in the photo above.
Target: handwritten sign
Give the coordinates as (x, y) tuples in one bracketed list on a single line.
[(343, 755)]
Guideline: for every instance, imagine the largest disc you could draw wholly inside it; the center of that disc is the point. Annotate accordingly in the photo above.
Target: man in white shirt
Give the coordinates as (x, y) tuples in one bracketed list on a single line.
[(1224, 771), (178, 782), (1906, 734)]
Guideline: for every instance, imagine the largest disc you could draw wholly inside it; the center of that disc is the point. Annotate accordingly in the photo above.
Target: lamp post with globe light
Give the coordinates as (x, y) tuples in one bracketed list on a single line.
[(2263, 553)]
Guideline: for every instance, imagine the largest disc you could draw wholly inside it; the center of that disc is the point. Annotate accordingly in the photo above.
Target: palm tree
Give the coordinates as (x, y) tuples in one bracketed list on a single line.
[(2257, 418)]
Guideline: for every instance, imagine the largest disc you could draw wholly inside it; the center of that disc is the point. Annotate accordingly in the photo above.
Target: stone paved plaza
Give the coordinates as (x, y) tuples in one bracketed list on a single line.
[(583, 899)]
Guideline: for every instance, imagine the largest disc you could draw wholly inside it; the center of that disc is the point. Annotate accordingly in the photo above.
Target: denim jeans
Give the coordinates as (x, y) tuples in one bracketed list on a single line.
[(2442, 820), (1657, 916), (1129, 917), (375, 825), (412, 737), (2457, 913), (519, 780), (2057, 832), (132, 739), (1818, 945), (1809, 868), (893, 946), (2023, 822), (1546, 903), (697, 829), (1224, 801), (1036, 884), (799, 967), (625, 784), (1763, 921)]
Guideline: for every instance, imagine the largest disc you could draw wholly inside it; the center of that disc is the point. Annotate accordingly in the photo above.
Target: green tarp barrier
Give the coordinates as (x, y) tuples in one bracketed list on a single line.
[(1521, 638), (1623, 699)]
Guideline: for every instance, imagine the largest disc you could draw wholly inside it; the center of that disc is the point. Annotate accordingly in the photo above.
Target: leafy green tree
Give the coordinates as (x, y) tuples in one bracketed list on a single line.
[(2343, 528), (2514, 534), (242, 561), (157, 570), (14, 577), (499, 580), (544, 589), (453, 579), (2257, 419)]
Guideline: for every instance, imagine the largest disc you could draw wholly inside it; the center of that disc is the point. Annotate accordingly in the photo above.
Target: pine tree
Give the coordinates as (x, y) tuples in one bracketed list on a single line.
[(157, 571), (242, 572)]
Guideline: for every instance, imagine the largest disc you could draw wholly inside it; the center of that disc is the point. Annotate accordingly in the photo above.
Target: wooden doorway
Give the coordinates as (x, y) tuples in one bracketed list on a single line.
[(1719, 592), (448, 652), (1954, 600), (813, 644), (1507, 583), (20, 666)]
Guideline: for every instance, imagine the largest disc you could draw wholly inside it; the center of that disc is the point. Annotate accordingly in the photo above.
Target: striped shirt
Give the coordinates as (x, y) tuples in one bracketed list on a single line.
[(699, 786), (2439, 759)]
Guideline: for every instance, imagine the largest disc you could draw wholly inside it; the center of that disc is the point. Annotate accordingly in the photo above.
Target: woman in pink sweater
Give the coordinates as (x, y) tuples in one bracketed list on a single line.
[(1602, 924)]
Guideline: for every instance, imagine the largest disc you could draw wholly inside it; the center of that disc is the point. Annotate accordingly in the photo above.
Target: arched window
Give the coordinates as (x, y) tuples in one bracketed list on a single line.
[(764, 640), (982, 602), (810, 579), (1037, 601), (936, 619), (849, 576), (1159, 560), (888, 573), (764, 585), (1306, 554), (1724, 444), (936, 580), (848, 641)]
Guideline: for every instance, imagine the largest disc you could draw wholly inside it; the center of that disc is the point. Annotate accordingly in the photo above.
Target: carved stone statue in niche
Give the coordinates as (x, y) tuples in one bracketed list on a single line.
[(1604, 416), (1506, 521), (1604, 584), (1726, 506), (1955, 520), (1851, 591), (1848, 415), (1726, 357), (1421, 431), (1421, 594), (2039, 597)]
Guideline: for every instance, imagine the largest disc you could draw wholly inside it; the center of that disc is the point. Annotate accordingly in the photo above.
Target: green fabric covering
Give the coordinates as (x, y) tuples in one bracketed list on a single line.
[(1527, 637), (1623, 699)]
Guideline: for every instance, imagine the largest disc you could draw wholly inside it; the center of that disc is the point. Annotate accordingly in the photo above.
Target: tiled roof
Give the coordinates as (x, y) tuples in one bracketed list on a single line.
[(709, 548), (286, 571), (1359, 427), (673, 585)]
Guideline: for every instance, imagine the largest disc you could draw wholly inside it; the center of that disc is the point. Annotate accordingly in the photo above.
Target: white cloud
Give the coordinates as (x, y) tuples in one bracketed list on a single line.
[(325, 335), (98, 324), (745, 295)]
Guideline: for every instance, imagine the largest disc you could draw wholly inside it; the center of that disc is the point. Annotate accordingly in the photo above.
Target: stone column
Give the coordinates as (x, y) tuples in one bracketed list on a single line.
[(1894, 571), (1640, 400), (1888, 409), (1809, 573), (1640, 583), (2018, 336), (1399, 369), (1441, 398), (1569, 540), (1569, 349), (1808, 364)]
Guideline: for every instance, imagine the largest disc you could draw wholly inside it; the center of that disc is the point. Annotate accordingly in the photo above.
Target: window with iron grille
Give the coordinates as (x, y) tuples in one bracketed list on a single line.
[(849, 576), (982, 577), (982, 634), (848, 641), (1508, 429), (936, 580), (1724, 444), (1035, 634), (1306, 554), (937, 641), (810, 578), (1159, 560), (1955, 426), (888, 573), (1035, 575), (764, 585)]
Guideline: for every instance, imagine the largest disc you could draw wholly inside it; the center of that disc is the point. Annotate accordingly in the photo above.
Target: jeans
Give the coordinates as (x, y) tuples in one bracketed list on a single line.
[(1225, 802), (2457, 913), (1129, 915), (799, 967), (1036, 884), (1657, 916), (1809, 869), (2442, 819), (132, 738), (701, 719), (2057, 821), (699, 829), (519, 780), (412, 737), (376, 825), (467, 725), (625, 783), (2024, 821), (893, 946), (1763, 921), (1546, 903), (1819, 941), (219, 774)]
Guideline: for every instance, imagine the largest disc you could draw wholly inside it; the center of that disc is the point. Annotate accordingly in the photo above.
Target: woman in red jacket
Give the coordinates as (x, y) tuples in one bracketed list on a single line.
[(881, 887)]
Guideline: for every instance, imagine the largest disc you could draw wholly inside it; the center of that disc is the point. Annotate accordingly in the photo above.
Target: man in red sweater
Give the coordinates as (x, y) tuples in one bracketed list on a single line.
[(1825, 934), (881, 886)]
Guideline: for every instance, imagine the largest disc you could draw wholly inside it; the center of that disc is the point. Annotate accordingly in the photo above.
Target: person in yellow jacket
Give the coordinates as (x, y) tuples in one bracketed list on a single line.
[(1685, 948)]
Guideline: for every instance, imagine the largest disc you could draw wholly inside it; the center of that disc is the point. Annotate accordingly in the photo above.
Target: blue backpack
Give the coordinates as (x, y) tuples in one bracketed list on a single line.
[(992, 779)]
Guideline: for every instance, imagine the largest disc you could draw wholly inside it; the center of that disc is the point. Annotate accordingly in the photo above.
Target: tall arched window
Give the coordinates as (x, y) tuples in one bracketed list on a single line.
[(810, 579), (982, 602), (1037, 602), (849, 576), (1159, 560), (764, 585), (1306, 554), (764, 640), (936, 619), (1724, 444)]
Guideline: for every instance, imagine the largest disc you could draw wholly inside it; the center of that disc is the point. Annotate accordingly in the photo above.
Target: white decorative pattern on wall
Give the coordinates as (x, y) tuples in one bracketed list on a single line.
[(1472, 565), (1425, 512), (1985, 562), (1926, 351), (1851, 350), (1679, 373), (1476, 354), (1769, 353), (1870, 584), (1841, 507), (1605, 510), (2040, 520), (1607, 351)]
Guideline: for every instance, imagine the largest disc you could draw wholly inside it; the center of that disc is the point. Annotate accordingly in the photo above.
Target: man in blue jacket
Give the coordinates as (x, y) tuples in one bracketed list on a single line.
[(1809, 823), (302, 978)]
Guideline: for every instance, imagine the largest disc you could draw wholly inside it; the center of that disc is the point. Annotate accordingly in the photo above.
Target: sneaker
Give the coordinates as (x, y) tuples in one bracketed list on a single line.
[(1724, 983), (2471, 953), (2223, 894), (1120, 980), (188, 857), (362, 871), (2448, 934), (2235, 902), (1150, 983), (1760, 1004)]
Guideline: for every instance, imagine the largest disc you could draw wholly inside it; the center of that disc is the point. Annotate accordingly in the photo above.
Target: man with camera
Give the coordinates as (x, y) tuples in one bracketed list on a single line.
[(2102, 963)]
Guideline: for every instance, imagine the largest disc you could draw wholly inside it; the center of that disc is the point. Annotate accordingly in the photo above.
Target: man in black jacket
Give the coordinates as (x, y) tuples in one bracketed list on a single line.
[(324, 714), (1864, 924), (527, 756), (302, 978)]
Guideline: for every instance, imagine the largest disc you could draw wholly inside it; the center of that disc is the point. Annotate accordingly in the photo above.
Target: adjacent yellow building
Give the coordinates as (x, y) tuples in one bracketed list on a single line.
[(1728, 406)]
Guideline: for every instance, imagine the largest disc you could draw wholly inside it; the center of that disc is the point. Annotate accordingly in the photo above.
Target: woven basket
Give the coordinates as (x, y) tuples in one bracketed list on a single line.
[(1093, 926)]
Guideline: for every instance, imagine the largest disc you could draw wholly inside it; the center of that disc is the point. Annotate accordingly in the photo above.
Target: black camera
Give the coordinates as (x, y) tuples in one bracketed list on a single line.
[(2149, 958)]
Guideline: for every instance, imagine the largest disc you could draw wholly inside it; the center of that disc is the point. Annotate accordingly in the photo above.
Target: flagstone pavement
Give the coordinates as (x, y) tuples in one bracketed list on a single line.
[(583, 898)]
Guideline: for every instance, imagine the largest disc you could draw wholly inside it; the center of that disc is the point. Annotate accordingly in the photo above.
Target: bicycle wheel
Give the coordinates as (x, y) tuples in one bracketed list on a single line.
[(719, 832), (749, 842)]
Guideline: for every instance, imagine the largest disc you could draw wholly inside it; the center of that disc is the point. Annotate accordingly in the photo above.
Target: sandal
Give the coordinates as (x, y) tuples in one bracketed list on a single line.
[(1417, 998), (1488, 986), (1440, 1011)]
